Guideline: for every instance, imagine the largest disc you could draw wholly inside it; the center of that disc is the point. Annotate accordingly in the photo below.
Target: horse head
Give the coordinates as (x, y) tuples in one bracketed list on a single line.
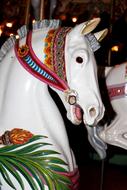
[(84, 96), (82, 99)]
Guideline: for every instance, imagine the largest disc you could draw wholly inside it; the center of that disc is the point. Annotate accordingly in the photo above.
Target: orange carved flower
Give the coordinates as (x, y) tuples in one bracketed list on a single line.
[(15, 136), (20, 136), (23, 51)]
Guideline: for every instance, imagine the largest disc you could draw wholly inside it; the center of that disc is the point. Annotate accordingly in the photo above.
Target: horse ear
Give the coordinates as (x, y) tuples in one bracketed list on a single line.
[(90, 26), (101, 34)]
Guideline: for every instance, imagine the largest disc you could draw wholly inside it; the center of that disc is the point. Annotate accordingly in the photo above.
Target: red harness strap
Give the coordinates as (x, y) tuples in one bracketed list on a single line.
[(117, 91)]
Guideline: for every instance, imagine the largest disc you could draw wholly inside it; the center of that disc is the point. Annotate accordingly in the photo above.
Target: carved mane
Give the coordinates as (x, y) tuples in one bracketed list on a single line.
[(22, 32)]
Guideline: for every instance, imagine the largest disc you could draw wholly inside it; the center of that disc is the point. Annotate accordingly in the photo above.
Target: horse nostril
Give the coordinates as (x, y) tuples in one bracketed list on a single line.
[(92, 112)]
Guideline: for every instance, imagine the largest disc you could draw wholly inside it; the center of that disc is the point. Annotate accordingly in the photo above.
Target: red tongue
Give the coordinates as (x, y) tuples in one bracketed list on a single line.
[(78, 113)]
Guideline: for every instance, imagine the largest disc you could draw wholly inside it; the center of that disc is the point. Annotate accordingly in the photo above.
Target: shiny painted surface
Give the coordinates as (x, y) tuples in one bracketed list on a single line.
[(26, 104)]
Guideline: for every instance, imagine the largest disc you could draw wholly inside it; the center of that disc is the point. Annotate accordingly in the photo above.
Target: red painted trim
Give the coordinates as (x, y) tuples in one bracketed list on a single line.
[(117, 91)]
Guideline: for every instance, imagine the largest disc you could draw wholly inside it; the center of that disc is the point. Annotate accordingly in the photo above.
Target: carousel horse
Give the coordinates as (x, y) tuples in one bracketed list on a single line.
[(34, 148), (115, 133)]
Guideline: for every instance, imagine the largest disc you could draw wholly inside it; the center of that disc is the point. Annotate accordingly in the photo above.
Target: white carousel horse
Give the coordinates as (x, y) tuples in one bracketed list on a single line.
[(34, 151), (116, 132)]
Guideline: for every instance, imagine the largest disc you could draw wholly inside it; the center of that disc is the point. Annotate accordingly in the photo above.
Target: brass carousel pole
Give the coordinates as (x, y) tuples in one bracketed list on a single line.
[(27, 12), (41, 16), (110, 29), (109, 64)]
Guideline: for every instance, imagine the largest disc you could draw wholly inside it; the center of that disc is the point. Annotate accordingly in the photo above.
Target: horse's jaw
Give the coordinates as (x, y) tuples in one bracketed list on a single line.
[(76, 116), (88, 107), (84, 110)]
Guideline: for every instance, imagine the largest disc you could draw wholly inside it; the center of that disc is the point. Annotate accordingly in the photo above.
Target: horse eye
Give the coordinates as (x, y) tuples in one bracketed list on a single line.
[(79, 60)]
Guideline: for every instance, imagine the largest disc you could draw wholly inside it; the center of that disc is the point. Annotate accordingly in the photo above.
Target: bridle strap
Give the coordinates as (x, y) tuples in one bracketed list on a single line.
[(117, 91)]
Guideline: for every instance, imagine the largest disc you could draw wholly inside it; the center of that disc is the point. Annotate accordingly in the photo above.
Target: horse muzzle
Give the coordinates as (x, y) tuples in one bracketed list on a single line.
[(93, 114)]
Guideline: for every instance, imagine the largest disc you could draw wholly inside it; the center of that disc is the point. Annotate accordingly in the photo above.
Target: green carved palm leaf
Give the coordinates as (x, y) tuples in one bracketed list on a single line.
[(36, 164)]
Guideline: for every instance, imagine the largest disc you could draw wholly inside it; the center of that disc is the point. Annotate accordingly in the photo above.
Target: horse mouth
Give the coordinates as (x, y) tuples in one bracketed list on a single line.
[(77, 114)]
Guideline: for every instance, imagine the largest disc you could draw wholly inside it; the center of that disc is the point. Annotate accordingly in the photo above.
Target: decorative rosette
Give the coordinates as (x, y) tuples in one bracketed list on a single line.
[(71, 96), (23, 50)]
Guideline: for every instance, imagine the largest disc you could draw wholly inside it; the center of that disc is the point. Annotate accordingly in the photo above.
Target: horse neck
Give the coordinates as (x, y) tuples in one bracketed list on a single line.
[(18, 87), (30, 91)]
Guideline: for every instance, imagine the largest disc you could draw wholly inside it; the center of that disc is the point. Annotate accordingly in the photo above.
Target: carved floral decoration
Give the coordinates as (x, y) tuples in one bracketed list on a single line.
[(38, 165)]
